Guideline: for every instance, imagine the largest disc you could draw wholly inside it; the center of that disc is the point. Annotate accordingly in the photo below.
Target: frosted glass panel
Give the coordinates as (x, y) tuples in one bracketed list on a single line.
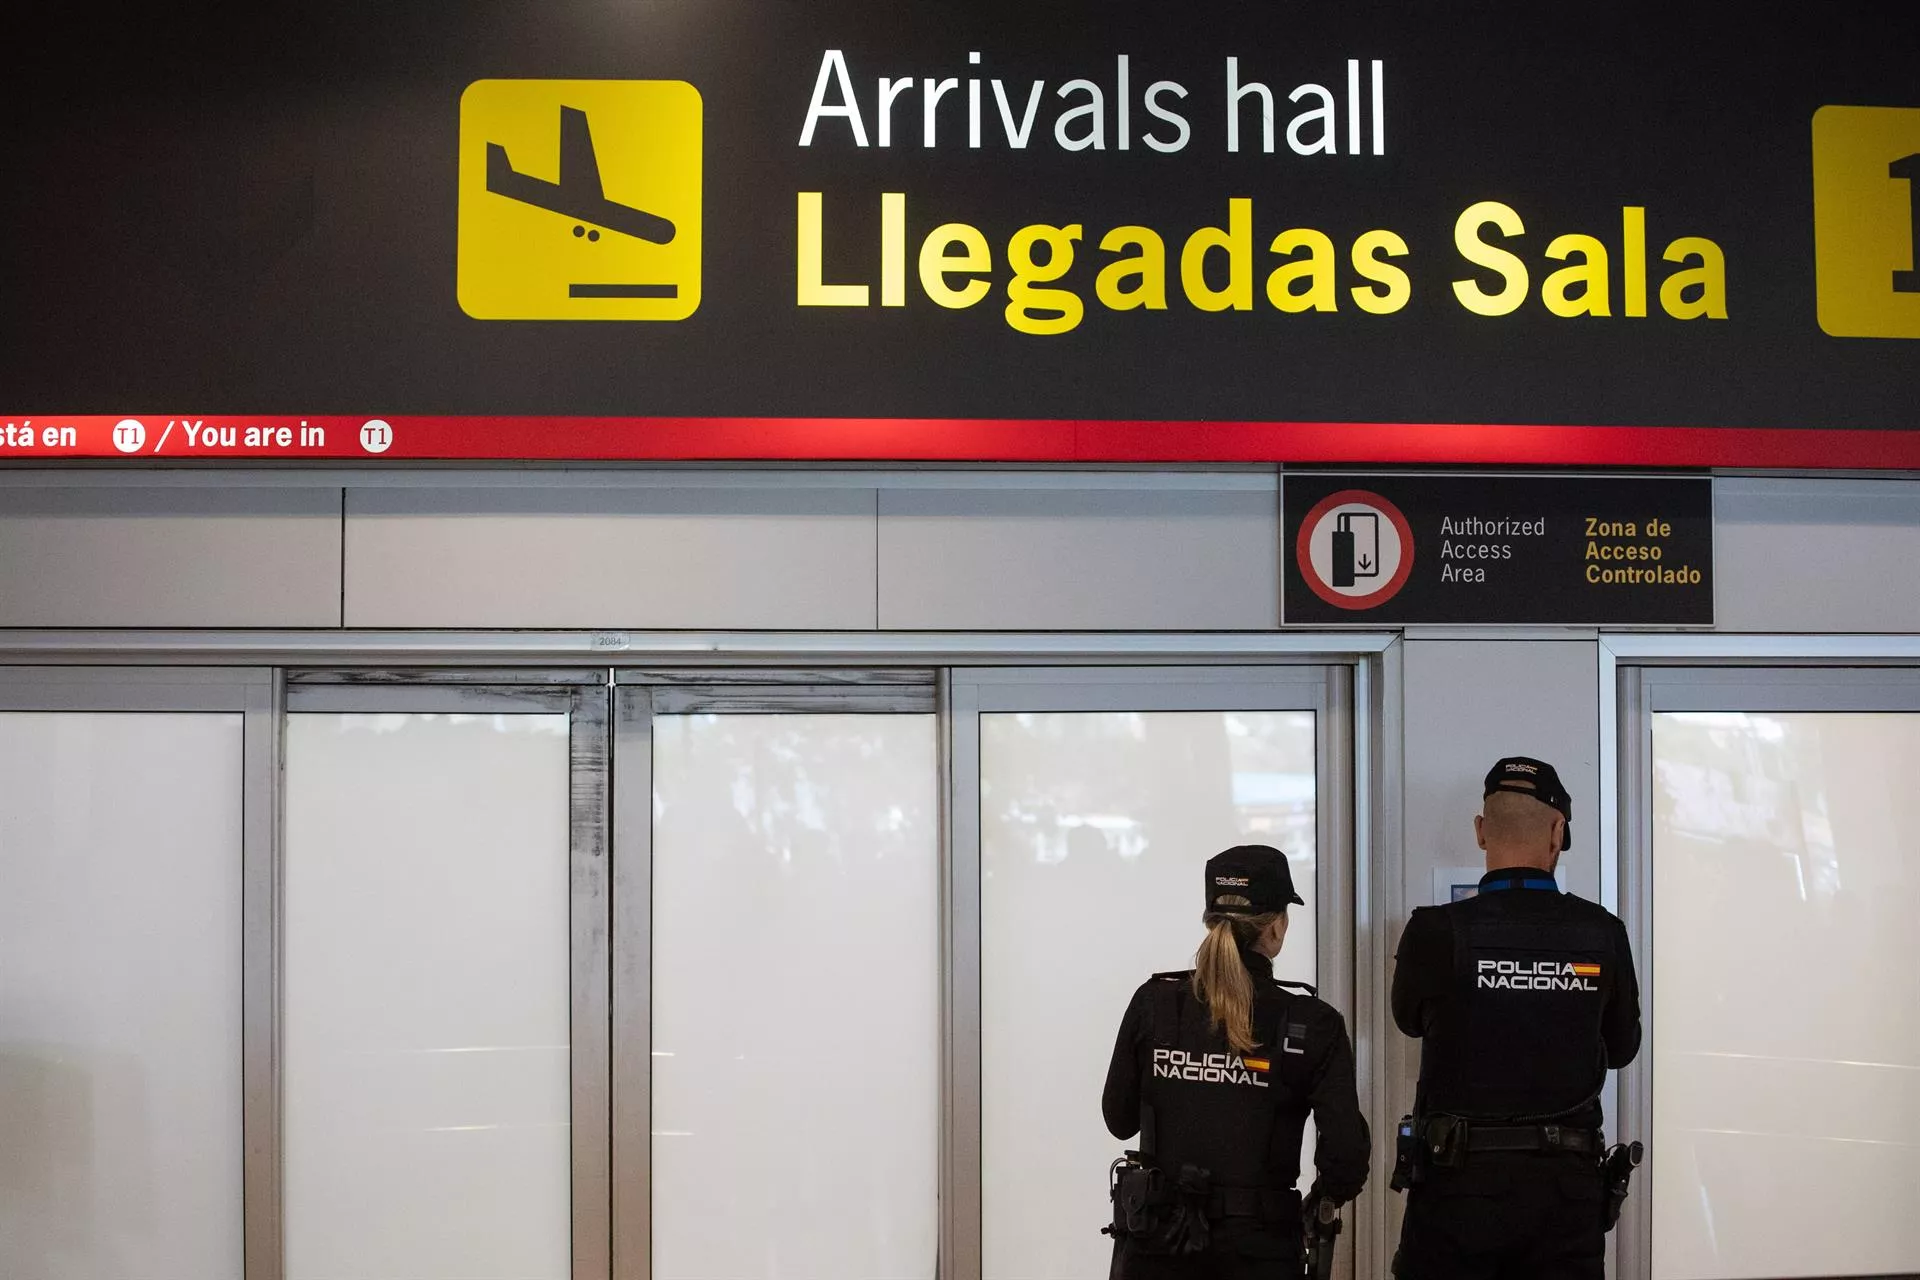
[(1786, 1085), (1094, 830), (796, 950), (120, 1092), (426, 997)]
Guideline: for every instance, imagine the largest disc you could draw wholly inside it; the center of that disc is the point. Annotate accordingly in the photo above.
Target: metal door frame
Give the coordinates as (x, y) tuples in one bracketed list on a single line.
[(1327, 690), (402, 670), (1641, 676), (584, 697), (254, 694), (640, 694)]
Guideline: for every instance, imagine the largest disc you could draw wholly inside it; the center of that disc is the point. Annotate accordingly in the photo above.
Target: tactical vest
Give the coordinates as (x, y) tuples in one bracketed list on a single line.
[(1519, 1037), (1204, 1104)]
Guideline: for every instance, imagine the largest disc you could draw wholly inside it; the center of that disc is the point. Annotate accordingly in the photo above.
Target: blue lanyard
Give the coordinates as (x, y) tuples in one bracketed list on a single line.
[(1551, 886)]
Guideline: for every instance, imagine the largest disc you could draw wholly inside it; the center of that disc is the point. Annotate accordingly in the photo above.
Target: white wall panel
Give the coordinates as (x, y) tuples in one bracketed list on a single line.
[(1811, 554), (120, 1075), (426, 997), (607, 556), (1118, 558), (1470, 702), (203, 556), (695, 549)]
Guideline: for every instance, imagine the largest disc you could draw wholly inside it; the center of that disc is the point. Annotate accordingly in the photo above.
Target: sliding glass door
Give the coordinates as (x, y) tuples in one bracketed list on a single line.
[(1086, 803), (427, 983), (606, 974), (779, 941)]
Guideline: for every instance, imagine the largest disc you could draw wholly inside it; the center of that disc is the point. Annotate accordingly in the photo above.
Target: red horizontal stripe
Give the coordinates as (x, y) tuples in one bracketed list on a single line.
[(975, 440)]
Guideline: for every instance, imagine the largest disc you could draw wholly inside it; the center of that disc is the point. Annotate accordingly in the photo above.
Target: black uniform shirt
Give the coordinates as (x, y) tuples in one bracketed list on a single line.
[(1241, 1117), (1525, 997)]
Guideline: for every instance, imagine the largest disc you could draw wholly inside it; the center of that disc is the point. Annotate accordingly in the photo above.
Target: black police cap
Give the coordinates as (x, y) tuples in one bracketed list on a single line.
[(1257, 873), (1536, 778)]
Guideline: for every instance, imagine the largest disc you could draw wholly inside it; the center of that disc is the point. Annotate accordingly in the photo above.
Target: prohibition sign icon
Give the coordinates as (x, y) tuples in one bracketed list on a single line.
[(1355, 549)]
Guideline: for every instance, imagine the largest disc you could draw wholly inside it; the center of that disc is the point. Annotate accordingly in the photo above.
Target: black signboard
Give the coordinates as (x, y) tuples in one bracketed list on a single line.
[(1583, 550), (1356, 214)]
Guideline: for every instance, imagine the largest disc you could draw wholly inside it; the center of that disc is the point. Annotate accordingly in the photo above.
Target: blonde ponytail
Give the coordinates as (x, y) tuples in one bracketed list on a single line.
[(1220, 977)]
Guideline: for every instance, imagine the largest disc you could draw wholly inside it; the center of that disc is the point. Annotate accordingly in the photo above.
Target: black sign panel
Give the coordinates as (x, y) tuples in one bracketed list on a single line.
[(1586, 550), (1492, 213)]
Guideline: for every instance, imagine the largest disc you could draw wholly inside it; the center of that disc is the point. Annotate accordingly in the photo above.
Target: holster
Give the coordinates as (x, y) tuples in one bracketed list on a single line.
[(1157, 1211), (1409, 1155), (1321, 1238), (1445, 1139), (1618, 1170)]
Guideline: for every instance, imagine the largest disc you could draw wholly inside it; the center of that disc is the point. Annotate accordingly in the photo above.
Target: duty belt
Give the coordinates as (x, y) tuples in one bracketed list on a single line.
[(1533, 1137), (1252, 1202)]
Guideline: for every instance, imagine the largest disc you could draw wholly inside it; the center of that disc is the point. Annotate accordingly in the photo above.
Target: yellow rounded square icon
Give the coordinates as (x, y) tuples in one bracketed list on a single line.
[(1866, 220), (579, 200)]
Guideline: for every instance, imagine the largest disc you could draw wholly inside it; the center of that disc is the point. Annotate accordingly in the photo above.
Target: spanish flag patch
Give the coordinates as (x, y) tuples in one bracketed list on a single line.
[(1587, 970), (1259, 1064)]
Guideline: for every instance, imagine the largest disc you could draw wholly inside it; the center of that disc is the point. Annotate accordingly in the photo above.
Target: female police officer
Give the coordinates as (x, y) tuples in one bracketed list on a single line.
[(1217, 1069)]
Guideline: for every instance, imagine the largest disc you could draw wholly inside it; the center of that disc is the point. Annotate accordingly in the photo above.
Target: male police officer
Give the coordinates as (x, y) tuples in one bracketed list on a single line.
[(1524, 996), (1217, 1069)]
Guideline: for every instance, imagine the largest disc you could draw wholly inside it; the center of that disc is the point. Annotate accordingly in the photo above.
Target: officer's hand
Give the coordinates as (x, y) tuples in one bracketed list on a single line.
[(1317, 1211)]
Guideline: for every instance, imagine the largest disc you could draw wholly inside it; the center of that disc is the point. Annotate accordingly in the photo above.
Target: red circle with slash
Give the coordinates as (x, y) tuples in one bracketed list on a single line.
[(1304, 548)]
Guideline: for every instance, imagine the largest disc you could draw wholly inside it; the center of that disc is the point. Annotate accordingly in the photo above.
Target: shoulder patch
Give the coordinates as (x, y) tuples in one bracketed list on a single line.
[(1307, 987), (1172, 975)]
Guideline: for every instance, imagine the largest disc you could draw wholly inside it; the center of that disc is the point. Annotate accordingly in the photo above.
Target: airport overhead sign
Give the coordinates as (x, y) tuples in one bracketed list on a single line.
[(1069, 232)]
